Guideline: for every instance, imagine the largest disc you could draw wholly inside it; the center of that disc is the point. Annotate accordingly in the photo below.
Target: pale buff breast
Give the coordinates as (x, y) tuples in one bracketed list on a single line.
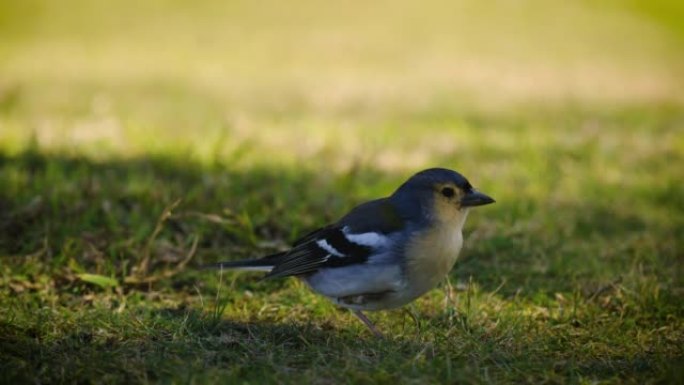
[(433, 254)]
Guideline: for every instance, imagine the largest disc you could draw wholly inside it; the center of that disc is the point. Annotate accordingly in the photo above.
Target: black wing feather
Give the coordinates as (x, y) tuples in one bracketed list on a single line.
[(307, 256)]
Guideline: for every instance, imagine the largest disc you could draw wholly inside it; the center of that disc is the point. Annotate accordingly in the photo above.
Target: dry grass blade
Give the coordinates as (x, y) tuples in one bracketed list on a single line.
[(165, 274), (141, 269)]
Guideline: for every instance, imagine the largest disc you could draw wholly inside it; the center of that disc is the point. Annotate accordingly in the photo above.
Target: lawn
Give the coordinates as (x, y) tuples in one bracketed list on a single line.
[(141, 140)]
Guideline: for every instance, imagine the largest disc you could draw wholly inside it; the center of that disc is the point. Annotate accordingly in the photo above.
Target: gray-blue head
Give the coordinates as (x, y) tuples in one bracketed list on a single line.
[(438, 193)]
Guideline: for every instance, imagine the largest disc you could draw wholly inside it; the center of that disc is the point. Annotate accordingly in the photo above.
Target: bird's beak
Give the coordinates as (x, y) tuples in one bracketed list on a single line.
[(476, 198)]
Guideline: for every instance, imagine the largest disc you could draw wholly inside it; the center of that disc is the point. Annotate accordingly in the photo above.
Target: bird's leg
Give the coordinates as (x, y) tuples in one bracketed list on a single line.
[(413, 316), (367, 322)]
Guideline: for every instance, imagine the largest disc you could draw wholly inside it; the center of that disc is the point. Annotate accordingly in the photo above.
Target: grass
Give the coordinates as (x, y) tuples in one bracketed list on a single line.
[(138, 142)]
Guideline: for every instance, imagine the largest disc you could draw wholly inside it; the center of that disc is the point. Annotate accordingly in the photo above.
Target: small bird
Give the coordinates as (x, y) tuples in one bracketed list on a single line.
[(384, 253)]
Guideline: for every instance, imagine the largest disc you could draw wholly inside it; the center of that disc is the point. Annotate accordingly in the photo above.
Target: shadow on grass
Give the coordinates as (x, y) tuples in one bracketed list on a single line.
[(186, 345), (177, 344), (100, 214)]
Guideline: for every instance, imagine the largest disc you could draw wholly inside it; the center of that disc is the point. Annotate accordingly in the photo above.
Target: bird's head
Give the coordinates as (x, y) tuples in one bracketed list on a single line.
[(439, 194)]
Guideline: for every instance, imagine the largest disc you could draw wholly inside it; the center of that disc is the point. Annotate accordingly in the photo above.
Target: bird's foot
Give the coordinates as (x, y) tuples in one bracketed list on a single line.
[(368, 323)]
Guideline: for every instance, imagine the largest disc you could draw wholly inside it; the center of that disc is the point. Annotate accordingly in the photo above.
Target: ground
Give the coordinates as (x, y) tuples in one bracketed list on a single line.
[(139, 141)]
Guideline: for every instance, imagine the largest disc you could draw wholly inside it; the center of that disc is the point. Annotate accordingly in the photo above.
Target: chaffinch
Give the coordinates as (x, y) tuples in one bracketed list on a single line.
[(384, 253)]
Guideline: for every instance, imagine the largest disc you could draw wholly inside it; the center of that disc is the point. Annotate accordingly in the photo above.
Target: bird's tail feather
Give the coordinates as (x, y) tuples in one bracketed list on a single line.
[(264, 264)]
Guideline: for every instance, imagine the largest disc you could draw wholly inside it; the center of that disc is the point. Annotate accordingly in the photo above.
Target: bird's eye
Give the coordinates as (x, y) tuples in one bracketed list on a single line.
[(448, 192)]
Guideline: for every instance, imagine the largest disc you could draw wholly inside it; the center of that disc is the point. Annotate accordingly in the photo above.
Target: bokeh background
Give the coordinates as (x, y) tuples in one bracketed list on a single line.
[(391, 84), (141, 139)]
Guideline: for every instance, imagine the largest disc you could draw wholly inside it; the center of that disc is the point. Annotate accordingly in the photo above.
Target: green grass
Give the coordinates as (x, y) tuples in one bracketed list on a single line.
[(140, 141)]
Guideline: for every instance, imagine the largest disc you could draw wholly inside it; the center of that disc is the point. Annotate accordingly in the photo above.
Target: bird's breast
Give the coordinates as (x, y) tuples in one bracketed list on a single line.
[(430, 256)]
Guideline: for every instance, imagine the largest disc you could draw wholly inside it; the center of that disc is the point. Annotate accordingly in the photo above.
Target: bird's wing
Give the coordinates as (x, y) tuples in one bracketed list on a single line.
[(365, 231)]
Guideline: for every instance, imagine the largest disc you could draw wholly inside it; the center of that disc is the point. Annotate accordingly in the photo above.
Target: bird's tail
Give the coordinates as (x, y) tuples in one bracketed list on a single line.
[(264, 264)]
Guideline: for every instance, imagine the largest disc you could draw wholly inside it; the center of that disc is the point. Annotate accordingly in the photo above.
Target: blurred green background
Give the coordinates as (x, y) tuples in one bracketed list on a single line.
[(267, 119), (301, 78)]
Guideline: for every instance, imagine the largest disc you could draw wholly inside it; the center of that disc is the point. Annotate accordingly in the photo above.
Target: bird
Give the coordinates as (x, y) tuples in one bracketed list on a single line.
[(384, 253)]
